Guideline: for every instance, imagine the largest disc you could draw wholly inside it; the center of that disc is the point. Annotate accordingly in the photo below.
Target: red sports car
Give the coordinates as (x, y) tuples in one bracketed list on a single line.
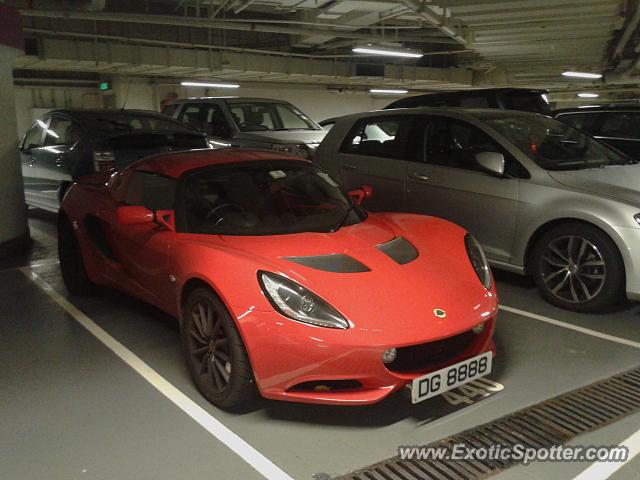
[(284, 286)]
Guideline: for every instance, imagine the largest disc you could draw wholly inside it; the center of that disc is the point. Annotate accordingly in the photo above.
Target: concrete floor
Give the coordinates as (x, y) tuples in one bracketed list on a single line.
[(70, 408)]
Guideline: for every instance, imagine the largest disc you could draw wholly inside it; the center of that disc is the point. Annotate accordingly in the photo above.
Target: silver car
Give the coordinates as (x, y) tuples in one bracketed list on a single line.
[(542, 197), (249, 123)]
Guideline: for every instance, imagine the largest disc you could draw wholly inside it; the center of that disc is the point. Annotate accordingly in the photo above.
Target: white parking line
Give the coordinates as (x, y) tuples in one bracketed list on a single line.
[(255, 459), (603, 470), (569, 326)]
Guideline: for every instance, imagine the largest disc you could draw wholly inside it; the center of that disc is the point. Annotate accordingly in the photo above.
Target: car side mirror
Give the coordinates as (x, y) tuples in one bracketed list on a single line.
[(361, 194), (134, 215), (137, 215), (491, 162)]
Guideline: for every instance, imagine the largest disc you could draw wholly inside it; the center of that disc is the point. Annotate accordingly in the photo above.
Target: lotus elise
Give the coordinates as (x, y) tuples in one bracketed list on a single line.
[(284, 286)]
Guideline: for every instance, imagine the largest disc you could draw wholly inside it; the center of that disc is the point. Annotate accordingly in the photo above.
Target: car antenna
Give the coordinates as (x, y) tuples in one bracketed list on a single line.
[(126, 95)]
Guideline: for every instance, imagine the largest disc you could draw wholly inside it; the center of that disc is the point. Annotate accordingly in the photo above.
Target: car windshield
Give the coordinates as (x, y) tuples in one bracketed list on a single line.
[(131, 123), (264, 198), (264, 116), (553, 145)]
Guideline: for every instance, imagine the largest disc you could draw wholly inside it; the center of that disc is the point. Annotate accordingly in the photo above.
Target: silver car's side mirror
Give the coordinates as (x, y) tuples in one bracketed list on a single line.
[(492, 162)]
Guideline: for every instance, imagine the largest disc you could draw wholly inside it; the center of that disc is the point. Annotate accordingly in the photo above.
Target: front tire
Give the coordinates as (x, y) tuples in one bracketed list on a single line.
[(215, 353), (578, 267), (72, 267)]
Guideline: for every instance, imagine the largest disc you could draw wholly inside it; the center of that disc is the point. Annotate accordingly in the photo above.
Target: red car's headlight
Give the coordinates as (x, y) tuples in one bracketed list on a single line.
[(296, 302), (478, 260)]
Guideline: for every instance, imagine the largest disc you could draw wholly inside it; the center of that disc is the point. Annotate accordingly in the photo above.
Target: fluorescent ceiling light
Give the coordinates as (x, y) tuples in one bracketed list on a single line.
[(581, 74), (209, 85), (588, 95), (389, 52), (393, 91)]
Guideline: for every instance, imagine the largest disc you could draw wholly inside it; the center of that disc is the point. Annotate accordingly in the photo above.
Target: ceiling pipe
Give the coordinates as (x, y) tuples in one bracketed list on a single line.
[(626, 35), (432, 17), (146, 41), (217, 24)]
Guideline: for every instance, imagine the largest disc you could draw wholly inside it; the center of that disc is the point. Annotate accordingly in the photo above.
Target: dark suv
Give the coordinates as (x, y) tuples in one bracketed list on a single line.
[(525, 99), (617, 125)]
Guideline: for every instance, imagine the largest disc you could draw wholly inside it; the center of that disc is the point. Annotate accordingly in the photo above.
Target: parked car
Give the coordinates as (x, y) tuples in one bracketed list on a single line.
[(617, 125), (249, 123), (541, 197), (64, 145), (529, 100), (267, 264)]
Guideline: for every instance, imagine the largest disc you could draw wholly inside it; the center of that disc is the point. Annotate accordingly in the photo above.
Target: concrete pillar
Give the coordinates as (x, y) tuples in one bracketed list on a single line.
[(14, 230)]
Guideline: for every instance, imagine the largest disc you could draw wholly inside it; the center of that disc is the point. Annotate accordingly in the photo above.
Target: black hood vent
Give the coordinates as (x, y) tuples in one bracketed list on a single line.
[(335, 263), (399, 250)]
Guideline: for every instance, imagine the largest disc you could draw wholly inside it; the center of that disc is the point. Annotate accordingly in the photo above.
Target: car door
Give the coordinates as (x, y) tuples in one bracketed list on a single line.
[(60, 154), (31, 155), (143, 250), (375, 152), (451, 184)]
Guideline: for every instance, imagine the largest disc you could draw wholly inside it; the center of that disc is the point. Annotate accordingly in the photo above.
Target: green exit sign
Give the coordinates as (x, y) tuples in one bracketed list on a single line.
[(104, 86)]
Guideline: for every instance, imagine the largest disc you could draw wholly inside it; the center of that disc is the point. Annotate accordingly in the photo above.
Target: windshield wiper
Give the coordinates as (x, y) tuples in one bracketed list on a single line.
[(344, 217)]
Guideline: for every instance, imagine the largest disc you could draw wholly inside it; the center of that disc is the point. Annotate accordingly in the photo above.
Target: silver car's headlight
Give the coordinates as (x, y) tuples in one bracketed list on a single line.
[(300, 150), (298, 303), (478, 260), (636, 217)]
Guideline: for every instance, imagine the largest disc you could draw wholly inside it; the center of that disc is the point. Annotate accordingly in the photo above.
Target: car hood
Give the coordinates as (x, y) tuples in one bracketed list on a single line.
[(619, 182), (398, 295), (284, 136)]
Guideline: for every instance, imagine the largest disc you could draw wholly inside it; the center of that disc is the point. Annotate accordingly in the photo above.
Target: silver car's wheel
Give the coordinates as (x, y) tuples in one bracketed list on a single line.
[(573, 269), (578, 267)]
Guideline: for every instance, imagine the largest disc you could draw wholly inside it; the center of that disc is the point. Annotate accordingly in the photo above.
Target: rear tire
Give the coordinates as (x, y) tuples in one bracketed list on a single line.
[(215, 353), (72, 267), (578, 267)]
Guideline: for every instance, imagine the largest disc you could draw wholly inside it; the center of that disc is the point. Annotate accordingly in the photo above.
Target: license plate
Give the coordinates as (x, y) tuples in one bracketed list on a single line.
[(448, 378)]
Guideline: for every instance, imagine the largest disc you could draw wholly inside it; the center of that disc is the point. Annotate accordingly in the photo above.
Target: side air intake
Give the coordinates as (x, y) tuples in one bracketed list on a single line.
[(335, 263)]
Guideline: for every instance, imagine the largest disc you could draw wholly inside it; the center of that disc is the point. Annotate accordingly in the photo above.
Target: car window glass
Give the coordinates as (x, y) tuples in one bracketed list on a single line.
[(621, 125), (60, 132), (151, 191), (390, 137), (169, 110), (453, 143), (192, 117), (216, 123), (582, 121), (33, 139), (290, 119), (552, 144)]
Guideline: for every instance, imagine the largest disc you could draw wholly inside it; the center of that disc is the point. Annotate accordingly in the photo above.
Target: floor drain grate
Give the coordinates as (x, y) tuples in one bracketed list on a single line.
[(546, 424)]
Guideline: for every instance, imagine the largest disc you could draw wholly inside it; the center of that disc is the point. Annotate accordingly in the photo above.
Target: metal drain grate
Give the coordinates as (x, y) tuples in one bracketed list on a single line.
[(546, 424)]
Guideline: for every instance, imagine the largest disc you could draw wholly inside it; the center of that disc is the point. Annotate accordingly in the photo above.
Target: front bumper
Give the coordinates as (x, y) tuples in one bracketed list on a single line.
[(297, 362)]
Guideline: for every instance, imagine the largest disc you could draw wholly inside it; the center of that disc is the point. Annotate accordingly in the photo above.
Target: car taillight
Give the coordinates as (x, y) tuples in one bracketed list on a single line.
[(104, 161)]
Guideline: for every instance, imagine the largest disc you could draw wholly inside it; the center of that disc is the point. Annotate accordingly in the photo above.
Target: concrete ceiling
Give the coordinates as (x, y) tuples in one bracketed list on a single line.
[(467, 43)]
